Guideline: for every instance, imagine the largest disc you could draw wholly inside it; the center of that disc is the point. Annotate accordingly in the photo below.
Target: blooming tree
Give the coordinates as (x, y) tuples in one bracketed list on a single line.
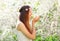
[(48, 10)]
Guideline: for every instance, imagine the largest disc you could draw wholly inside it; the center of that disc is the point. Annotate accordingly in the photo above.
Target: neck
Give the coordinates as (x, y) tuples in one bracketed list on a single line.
[(28, 26), (27, 22)]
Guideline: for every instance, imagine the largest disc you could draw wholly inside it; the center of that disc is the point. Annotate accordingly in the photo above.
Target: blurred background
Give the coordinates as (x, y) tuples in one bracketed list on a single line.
[(48, 26)]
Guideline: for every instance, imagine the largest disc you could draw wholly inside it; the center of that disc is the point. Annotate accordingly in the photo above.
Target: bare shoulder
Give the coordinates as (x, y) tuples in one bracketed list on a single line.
[(20, 26)]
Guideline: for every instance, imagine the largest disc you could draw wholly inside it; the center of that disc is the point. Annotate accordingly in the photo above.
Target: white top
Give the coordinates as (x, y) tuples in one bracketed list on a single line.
[(20, 35)]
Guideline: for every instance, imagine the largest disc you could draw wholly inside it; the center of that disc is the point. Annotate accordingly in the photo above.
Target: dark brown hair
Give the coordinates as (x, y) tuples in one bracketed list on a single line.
[(24, 15), (24, 12)]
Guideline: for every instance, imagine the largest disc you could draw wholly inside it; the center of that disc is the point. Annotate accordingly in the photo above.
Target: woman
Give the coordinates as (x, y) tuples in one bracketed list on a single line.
[(25, 30)]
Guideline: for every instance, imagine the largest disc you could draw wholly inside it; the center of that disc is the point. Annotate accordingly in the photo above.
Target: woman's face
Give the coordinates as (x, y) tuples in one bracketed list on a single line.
[(30, 12)]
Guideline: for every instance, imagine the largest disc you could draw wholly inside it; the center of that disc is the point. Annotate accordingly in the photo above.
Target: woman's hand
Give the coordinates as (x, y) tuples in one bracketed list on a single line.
[(35, 19)]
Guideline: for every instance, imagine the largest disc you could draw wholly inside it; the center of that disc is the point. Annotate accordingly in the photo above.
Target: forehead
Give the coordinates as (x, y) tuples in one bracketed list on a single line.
[(30, 8)]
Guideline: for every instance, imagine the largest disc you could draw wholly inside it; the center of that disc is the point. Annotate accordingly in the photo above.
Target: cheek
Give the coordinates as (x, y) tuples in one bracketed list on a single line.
[(30, 14)]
